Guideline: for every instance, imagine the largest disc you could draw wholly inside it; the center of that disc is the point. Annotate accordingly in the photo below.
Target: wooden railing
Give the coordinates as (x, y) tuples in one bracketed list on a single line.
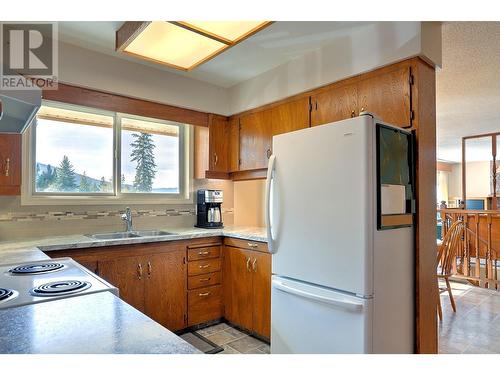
[(478, 255)]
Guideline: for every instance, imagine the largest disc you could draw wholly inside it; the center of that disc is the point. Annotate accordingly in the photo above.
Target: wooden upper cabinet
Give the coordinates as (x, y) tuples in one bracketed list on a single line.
[(387, 95), (10, 164), (335, 104), (261, 266), (234, 144), (200, 151), (255, 140), (218, 129), (165, 294), (127, 274), (290, 116)]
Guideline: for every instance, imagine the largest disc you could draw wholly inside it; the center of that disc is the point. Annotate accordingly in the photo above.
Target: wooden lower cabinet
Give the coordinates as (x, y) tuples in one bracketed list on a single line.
[(125, 274), (165, 292), (247, 289), (205, 304)]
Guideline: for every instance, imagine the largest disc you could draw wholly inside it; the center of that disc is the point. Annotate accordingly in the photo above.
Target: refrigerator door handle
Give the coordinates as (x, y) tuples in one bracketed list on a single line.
[(348, 305), (269, 180)]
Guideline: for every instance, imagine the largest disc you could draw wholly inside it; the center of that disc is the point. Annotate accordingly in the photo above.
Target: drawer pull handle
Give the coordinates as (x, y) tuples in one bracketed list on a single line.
[(252, 244), (7, 167), (204, 253), (204, 266), (205, 280), (204, 294)]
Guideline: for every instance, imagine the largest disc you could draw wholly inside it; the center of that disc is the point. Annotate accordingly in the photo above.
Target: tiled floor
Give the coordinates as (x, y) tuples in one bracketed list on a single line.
[(475, 327), (233, 340)]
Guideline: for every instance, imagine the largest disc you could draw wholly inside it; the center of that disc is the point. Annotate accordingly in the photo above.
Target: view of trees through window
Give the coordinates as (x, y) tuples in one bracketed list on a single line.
[(74, 154)]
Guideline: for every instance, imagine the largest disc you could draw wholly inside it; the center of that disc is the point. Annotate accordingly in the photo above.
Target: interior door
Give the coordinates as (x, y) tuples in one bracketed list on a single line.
[(307, 319), (255, 140), (261, 266), (237, 283), (127, 274), (388, 96), (166, 288), (338, 103)]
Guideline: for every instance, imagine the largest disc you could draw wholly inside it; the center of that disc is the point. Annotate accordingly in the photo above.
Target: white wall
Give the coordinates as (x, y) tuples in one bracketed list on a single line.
[(477, 176), (362, 49), (95, 70)]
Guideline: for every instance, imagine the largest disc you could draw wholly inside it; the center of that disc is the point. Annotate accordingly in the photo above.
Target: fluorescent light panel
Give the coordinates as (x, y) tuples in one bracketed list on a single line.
[(185, 45)]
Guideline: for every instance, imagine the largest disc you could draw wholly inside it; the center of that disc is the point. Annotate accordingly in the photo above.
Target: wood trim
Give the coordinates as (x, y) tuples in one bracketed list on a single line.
[(77, 95), (128, 32), (10, 190), (218, 175), (443, 167), (252, 174), (424, 125)]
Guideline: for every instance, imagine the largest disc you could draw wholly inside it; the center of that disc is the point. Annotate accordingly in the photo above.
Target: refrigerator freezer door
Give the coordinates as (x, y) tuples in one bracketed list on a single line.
[(311, 319), (323, 205)]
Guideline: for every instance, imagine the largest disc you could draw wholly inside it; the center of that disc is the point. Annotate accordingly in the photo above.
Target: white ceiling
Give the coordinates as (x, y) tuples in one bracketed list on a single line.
[(468, 85), (269, 48)]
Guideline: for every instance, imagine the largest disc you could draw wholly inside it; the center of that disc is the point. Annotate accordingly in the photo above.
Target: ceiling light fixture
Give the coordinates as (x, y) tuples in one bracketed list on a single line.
[(182, 45)]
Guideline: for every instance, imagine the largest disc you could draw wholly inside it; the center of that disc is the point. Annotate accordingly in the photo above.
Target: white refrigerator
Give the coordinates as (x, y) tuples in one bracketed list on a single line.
[(342, 243)]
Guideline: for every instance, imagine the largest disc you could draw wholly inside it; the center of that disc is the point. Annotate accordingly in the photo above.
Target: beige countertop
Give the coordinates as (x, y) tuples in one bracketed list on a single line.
[(32, 249)]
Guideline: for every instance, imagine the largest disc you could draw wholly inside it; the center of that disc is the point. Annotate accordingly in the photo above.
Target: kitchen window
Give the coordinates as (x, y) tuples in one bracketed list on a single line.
[(81, 155)]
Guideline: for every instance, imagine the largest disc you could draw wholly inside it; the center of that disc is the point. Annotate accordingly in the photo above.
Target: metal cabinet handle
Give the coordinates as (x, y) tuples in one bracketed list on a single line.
[(150, 269), (7, 167), (253, 245), (204, 266), (139, 271), (203, 253), (205, 280), (216, 158), (268, 153), (353, 113), (254, 265), (362, 109), (248, 264), (204, 294)]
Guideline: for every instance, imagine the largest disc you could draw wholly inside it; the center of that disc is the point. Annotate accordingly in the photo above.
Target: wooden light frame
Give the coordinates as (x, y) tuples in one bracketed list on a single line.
[(130, 30)]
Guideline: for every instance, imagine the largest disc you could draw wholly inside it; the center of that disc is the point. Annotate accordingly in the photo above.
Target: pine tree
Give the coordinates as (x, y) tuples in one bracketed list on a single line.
[(142, 153), (66, 176), (46, 178), (103, 185), (85, 183)]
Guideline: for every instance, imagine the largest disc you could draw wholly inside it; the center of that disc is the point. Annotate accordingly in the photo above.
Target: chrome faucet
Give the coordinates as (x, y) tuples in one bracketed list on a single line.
[(127, 217)]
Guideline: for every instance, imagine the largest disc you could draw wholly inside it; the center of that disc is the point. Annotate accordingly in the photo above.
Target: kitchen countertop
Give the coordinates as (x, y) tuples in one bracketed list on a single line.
[(94, 323), (31, 250), (108, 323)]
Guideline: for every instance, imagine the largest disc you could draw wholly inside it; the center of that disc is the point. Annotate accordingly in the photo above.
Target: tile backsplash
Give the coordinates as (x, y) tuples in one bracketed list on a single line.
[(19, 222)]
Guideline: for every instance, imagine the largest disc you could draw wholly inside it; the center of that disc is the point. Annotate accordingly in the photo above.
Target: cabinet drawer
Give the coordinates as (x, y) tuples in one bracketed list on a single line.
[(200, 267), (205, 280), (203, 253), (245, 244), (204, 304)]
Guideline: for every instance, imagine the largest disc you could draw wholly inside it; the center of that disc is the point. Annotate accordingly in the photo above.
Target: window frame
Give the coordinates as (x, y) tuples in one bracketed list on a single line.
[(29, 195)]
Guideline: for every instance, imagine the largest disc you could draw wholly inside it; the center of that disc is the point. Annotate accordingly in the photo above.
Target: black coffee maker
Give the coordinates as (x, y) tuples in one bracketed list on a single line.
[(208, 209)]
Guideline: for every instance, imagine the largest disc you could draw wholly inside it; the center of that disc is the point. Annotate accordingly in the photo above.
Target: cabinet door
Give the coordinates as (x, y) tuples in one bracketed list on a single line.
[(10, 164), (255, 140), (166, 289), (201, 154), (218, 143), (337, 104), (234, 144), (237, 282), (388, 96), (291, 116), (261, 293), (127, 274)]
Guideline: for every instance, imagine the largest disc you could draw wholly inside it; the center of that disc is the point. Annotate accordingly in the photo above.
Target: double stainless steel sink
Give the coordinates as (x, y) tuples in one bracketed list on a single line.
[(131, 234)]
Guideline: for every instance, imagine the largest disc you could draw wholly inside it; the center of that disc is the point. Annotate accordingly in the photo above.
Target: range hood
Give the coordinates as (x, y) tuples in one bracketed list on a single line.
[(18, 108)]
